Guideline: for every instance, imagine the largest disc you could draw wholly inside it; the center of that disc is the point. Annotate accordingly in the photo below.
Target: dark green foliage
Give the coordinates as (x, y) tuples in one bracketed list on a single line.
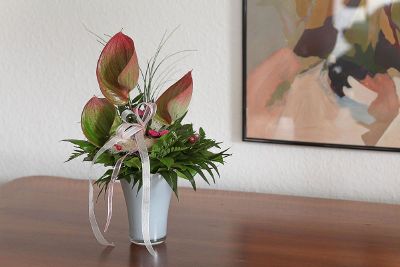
[(172, 156)]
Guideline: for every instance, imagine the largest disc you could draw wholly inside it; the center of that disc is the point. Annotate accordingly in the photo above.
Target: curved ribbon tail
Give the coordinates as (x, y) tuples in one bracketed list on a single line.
[(110, 191), (92, 218), (146, 191)]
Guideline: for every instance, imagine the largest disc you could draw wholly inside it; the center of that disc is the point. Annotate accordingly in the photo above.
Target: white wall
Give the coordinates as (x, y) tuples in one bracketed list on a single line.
[(47, 73)]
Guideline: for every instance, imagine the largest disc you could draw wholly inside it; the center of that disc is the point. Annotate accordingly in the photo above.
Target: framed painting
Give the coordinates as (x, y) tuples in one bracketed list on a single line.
[(322, 73)]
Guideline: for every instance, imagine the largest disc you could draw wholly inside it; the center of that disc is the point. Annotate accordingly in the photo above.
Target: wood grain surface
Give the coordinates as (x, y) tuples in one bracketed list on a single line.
[(43, 222)]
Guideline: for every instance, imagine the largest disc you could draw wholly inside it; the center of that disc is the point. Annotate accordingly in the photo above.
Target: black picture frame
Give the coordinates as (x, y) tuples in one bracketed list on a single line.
[(277, 141)]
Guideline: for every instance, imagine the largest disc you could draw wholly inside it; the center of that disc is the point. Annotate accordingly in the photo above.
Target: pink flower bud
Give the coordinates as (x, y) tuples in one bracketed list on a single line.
[(153, 133), (118, 147), (156, 134), (194, 138), (164, 132)]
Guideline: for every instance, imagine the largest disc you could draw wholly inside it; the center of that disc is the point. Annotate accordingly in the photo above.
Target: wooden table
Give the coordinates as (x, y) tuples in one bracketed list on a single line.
[(43, 222)]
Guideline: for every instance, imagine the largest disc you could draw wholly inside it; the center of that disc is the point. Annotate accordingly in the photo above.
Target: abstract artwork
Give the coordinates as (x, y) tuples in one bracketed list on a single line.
[(322, 72)]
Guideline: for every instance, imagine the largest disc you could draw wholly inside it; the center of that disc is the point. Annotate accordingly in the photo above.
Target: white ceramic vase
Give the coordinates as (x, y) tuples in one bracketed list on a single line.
[(160, 196)]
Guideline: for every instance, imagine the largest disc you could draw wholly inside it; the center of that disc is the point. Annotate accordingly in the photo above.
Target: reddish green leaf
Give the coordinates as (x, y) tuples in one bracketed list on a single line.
[(116, 123), (174, 102), (118, 69), (97, 119)]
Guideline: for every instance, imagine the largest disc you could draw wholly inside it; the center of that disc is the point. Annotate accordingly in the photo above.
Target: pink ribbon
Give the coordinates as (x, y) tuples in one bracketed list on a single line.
[(125, 132)]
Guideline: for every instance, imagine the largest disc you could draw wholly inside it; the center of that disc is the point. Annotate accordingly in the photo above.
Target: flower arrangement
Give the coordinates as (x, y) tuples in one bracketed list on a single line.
[(175, 149)]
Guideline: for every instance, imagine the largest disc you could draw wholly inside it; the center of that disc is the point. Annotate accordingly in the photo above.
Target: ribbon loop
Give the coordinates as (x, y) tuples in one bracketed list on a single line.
[(143, 113)]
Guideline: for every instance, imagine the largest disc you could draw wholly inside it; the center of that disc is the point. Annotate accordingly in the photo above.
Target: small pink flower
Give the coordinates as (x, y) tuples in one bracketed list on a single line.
[(164, 132), (118, 147), (153, 133), (194, 138), (156, 134)]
